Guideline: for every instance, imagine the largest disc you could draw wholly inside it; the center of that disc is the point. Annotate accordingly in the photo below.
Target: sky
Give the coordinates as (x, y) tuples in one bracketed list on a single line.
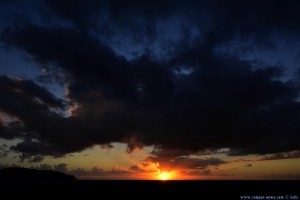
[(160, 89)]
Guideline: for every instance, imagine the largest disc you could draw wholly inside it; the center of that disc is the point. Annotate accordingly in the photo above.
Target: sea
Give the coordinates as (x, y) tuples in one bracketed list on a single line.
[(136, 189)]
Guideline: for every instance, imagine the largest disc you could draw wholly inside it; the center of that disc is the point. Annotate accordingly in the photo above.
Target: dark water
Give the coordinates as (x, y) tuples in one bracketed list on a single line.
[(155, 189)]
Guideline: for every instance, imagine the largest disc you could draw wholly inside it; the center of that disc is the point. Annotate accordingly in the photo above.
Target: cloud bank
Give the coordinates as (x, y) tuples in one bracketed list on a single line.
[(151, 74)]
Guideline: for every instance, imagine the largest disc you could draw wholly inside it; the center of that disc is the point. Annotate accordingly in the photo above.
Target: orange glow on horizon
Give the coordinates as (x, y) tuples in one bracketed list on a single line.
[(164, 176)]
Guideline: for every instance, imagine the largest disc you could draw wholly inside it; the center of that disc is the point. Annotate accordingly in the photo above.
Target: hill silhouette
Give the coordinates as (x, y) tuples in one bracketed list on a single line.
[(25, 174)]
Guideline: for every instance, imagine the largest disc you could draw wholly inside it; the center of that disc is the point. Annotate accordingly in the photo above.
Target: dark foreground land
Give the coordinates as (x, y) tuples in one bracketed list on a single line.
[(25, 174), (155, 189), (45, 184)]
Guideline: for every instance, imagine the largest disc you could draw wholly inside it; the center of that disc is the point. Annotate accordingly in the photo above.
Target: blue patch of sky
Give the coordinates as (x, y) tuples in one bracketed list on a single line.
[(183, 70), (20, 12), (17, 64), (160, 40), (279, 50)]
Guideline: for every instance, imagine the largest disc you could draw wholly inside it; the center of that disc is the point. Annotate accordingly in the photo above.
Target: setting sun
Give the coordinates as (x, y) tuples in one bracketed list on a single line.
[(164, 176)]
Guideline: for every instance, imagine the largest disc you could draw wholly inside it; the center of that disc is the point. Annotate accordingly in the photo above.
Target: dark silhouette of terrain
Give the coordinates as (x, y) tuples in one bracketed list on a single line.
[(25, 174), (28, 183)]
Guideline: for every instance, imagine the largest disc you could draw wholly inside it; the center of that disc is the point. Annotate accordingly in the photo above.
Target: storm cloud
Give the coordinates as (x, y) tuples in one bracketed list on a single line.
[(130, 79)]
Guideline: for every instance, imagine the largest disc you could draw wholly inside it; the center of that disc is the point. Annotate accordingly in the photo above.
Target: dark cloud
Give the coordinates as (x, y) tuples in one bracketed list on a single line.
[(197, 172), (32, 95), (283, 155), (44, 167), (145, 167), (3, 151), (9, 165), (83, 172), (135, 168), (37, 159), (192, 101), (80, 14), (169, 153), (186, 162), (62, 167), (30, 158), (95, 171), (11, 130)]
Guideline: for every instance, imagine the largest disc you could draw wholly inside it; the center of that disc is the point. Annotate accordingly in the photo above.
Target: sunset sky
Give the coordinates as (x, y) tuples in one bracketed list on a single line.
[(160, 89)]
